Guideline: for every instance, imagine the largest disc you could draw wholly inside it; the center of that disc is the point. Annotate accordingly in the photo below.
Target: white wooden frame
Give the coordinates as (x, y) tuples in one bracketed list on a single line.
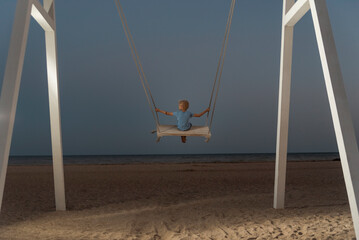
[(45, 16), (293, 11)]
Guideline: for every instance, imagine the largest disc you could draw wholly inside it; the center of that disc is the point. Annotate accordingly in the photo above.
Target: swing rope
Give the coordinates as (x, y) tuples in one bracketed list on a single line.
[(218, 77), (136, 59), (143, 77)]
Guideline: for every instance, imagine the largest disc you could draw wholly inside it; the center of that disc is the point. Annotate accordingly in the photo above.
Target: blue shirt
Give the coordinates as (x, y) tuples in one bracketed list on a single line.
[(183, 123)]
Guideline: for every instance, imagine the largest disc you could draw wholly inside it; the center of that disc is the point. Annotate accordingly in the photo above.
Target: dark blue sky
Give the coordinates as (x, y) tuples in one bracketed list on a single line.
[(103, 106)]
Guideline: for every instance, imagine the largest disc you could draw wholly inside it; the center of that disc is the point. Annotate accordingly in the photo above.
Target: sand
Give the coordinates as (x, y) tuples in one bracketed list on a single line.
[(177, 201)]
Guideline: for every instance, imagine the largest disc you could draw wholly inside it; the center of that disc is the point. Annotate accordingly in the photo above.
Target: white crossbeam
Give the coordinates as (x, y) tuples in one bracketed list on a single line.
[(48, 6), (42, 17), (299, 9)]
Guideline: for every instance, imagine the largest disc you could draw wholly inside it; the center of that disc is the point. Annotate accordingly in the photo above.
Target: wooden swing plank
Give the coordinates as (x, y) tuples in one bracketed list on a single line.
[(171, 130)]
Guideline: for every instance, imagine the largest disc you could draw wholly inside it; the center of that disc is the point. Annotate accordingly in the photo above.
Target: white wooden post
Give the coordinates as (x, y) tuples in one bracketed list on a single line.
[(55, 120), (283, 108), (45, 16), (343, 126), (338, 102)]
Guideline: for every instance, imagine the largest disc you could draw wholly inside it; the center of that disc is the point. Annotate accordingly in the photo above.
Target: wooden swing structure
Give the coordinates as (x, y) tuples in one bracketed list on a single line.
[(293, 11), (171, 130)]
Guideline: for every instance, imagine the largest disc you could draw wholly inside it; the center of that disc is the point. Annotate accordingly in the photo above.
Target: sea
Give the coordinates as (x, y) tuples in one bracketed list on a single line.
[(178, 158)]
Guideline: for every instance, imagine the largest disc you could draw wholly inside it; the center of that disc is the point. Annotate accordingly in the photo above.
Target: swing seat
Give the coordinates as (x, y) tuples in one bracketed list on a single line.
[(172, 130)]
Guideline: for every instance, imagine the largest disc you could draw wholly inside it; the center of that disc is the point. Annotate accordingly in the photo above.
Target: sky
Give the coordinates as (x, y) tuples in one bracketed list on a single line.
[(103, 106)]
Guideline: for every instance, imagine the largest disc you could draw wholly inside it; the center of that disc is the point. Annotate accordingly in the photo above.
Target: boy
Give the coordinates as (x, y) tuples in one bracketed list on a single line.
[(183, 116)]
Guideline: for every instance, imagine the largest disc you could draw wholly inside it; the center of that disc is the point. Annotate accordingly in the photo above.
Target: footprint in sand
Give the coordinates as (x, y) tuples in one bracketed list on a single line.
[(156, 237)]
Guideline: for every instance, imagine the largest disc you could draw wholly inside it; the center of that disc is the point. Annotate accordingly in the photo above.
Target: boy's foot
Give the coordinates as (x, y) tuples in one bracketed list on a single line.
[(183, 138)]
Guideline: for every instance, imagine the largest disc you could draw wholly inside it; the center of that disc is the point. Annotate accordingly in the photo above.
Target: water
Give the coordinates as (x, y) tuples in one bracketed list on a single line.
[(199, 158)]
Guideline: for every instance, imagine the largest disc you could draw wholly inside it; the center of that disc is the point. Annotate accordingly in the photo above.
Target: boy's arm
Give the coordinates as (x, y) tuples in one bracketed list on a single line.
[(201, 114), (164, 112)]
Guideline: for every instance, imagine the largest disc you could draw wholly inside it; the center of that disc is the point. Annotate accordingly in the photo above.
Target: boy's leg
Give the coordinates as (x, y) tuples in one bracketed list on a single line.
[(183, 138)]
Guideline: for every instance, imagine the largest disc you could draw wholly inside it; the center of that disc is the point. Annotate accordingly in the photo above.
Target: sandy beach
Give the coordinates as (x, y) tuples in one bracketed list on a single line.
[(177, 201)]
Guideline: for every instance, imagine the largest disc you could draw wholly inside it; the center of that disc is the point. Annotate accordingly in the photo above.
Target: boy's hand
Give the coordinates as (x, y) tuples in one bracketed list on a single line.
[(157, 110), (208, 109)]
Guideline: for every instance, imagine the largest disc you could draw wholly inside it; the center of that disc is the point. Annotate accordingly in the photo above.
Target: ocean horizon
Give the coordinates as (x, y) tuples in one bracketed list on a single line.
[(173, 158)]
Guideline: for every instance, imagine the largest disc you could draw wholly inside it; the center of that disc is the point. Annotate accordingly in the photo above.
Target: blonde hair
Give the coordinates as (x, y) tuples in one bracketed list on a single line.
[(185, 103)]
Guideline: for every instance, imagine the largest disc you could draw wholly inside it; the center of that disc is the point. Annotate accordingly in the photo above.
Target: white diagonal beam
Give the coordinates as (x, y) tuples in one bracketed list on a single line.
[(339, 107), (11, 84), (299, 9), (42, 17)]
